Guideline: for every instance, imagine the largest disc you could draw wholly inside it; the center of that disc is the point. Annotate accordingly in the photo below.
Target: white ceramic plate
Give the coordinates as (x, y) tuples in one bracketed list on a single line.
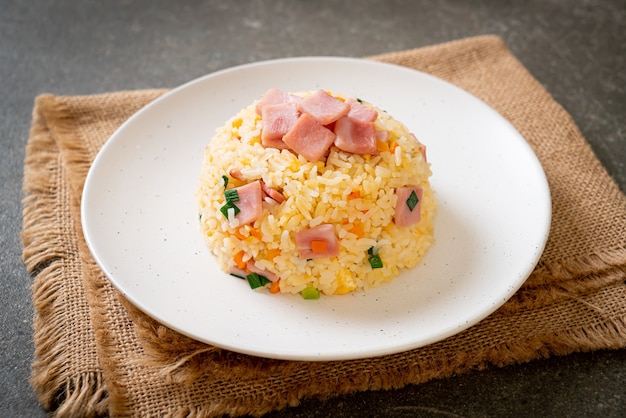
[(140, 218)]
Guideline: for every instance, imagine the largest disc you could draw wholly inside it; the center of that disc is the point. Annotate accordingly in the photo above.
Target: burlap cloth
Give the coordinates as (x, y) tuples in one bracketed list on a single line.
[(96, 354)]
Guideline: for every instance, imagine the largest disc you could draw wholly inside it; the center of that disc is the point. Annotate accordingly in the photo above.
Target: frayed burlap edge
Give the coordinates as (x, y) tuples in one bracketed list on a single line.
[(58, 161), (100, 290), (45, 252)]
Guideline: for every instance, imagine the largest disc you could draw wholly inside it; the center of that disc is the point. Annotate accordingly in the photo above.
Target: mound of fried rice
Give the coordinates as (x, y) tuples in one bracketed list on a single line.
[(354, 193)]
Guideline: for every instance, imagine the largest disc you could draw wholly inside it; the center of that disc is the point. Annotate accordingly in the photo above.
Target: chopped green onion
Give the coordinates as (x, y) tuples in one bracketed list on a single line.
[(375, 262), (225, 178), (412, 201), (237, 276), (231, 195), (374, 258), (228, 205), (359, 100), (256, 280), (310, 292)]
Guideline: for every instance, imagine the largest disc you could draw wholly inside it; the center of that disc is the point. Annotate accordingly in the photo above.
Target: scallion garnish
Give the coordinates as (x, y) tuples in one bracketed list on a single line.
[(229, 205), (375, 262), (231, 195), (412, 201), (237, 276), (256, 280), (225, 178), (374, 258), (310, 292)]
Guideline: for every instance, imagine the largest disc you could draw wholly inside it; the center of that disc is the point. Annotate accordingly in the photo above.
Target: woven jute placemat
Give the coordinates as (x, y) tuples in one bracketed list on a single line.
[(97, 354)]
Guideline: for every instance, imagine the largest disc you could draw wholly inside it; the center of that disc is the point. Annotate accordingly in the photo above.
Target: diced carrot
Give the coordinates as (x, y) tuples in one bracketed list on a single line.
[(393, 146), (272, 253), (275, 287), (358, 230), (239, 235), (381, 146), (355, 194), (256, 233), (318, 246), (239, 260)]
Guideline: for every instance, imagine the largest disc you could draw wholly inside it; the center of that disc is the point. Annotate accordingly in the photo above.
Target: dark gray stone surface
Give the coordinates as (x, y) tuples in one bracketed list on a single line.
[(576, 49)]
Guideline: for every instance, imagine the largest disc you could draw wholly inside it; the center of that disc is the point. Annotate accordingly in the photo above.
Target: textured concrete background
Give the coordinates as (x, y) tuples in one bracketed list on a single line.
[(576, 49)]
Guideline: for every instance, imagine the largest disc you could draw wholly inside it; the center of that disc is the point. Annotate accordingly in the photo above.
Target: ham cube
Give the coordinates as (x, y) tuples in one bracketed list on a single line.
[(355, 136), (323, 107), (408, 211), (322, 233), (309, 138), (250, 202), (360, 112), (277, 120), (272, 96), (271, 276), (272, 193)]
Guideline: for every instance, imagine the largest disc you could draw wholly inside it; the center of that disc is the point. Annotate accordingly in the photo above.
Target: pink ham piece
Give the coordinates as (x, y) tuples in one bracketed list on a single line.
[(234, 271), (277, 120), (261, 272), (355, 136), (272, 96), (275, 96), (272, 193), (249, 203), (323, 107), (323, 232), (309, 138), (404, 216), (236, 174), (361, 112)]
